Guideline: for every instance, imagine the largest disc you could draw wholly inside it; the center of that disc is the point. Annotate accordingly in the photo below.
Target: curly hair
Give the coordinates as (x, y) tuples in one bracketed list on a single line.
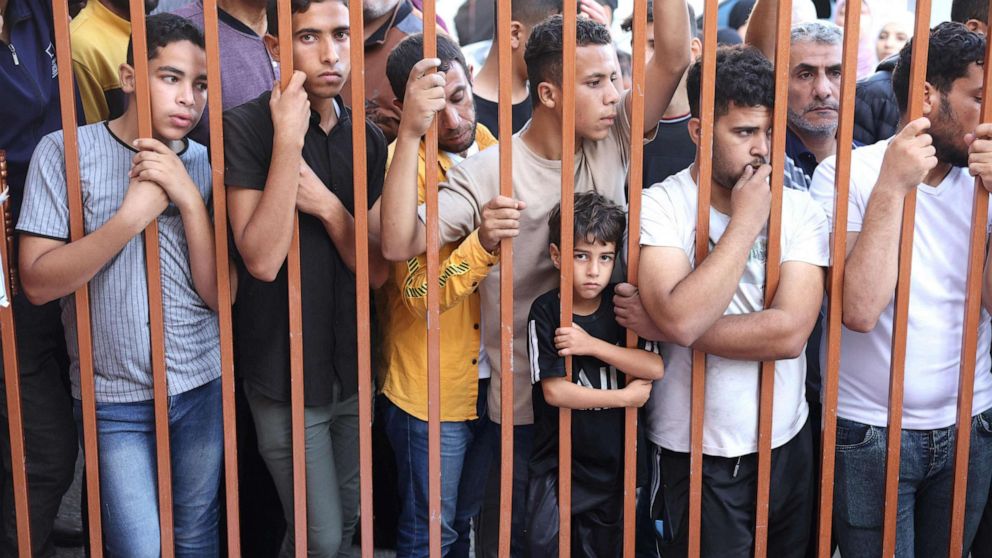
[(543, 53), (953, 49), (161, 30), (743, 77), (595, 218)]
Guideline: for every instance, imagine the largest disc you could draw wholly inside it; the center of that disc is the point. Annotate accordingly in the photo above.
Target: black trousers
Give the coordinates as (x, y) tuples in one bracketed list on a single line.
[(49, 430), (729, 501), (597, 519)]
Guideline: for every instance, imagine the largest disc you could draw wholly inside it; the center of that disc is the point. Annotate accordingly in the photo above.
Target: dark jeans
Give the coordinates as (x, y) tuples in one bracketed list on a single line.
[(728, 506), (926, 475), (477, 467), (597, 519), (49, 429), (488, 535)]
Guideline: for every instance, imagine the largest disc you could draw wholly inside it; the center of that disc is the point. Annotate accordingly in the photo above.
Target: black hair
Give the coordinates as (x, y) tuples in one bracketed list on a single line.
[(543, 54), (595, 219), (963, 10), (744, 77), (296, 6), (161, 30), (532, 12), (626, 63), (953, 49), (628, 24), (410, 50)]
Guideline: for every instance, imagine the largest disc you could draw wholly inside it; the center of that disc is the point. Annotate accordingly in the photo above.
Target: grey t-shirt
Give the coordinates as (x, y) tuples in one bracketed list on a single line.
[(119, 291)]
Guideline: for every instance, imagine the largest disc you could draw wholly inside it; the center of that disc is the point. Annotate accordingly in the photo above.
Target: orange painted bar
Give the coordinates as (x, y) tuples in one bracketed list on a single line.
[(635, 184), (900, 322), (504, 58), (969, 340), (156, 322), (12, 379), (698, 391), (783, 26), (835, 280), (84, 335), (567, 241), (224, 299), (360, 164)]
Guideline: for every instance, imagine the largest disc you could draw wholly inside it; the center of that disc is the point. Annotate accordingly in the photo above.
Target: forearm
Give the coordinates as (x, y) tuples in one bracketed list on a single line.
[(672, 55), (761, 27), (402, 232), (455, 285), (566, 395), (767, 335), (264, 241), (633, 362), (64, 270), (202, 252), (872, 266)]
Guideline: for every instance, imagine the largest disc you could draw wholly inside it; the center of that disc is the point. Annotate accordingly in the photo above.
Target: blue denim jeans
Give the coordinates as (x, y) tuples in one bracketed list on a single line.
[(475, 473), (128, 473), (926, 475), (408, 436)]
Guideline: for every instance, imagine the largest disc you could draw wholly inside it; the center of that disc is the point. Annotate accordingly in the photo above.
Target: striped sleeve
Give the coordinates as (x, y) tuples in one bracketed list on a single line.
[(45, 211)]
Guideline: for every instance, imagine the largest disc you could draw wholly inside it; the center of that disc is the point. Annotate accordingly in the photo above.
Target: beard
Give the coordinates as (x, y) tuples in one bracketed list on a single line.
[(468, 130), (726, 174), (377, 9), (948, 137), (798, 119)]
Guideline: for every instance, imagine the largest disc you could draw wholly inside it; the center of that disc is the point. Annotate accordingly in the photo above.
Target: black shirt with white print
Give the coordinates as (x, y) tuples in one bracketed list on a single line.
[(597, 434)]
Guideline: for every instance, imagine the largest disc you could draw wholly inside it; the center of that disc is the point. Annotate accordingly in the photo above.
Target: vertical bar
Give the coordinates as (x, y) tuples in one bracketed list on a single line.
[(567, 233), (707, 96), (900, 320), (12, 380), (433, 312), (772, 269), (211, 35), (504, 59), (84, 335), (360, 164), (969, 341), (153, 269), (297, 419), (835, 285), (636, 183)]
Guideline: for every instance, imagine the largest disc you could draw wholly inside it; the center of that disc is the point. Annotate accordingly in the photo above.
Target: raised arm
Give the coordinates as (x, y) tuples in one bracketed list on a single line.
[(672, 55), (872, 266), (980, 166), (761, 27)]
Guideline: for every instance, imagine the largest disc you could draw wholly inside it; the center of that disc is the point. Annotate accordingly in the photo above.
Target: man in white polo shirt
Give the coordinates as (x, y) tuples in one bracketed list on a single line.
[(938, 156)]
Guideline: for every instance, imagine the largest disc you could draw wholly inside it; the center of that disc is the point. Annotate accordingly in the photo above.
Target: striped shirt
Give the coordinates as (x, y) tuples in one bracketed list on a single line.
[(119, 291)]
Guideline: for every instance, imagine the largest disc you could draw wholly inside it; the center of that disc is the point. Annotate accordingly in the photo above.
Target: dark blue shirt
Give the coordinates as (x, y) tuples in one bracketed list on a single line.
[(803, 157)]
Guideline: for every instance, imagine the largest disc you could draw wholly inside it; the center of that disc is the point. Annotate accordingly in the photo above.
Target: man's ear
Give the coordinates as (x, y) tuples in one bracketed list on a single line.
[(271, 45), (976, 26), (398, 104), (555, 255), (696, 48), (931, 98), (695, 127), (547, 94), (126, 73), (516, 34)]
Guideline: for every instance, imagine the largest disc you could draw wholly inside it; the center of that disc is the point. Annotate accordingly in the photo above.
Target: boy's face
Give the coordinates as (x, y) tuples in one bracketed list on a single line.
[(177, 87), (322, 47), (592, 266)]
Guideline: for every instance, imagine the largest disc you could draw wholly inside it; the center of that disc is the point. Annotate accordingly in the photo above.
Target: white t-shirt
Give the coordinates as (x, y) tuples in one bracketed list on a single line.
[(730, 424), (936, 305)]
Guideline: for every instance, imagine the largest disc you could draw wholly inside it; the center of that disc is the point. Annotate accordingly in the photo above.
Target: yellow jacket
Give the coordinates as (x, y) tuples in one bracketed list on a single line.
[(404, 297)]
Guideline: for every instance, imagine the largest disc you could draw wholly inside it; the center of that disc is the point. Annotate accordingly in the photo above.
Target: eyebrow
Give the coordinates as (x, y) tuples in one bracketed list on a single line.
[(315, 31), (802, 66), (171, 70), (597, 75)]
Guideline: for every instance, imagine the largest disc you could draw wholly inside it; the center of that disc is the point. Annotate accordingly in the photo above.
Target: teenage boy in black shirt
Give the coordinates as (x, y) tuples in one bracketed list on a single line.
[(290, 152), (597, 392)]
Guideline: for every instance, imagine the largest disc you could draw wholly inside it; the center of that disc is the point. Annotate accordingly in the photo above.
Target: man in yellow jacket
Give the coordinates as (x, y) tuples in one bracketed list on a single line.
[(465, 450)]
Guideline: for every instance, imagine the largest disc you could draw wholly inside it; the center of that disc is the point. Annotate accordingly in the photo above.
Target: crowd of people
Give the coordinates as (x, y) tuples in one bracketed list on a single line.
[(288, 156)]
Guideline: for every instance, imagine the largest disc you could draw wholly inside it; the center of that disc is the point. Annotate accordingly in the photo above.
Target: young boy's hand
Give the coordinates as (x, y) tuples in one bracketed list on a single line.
[(572, 341), (157, 163), (143, 202), (637, 391), (290, 110)]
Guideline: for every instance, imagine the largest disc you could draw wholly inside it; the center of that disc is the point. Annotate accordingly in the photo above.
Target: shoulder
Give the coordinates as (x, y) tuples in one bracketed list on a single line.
[(545, 305), (192, 11), (252, 117), (678, 188)]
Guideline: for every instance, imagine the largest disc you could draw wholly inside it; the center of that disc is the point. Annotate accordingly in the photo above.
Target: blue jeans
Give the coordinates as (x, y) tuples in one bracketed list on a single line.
[(475, 473), (408, 436), (128, 473), (926, 475)]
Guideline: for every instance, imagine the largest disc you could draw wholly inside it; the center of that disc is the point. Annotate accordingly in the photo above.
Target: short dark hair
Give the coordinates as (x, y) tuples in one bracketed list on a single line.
[(744, 77), (595, 218), (161, 30), (628, 23), (410, 50), (963, 10), (296, 6), (543, 54), (532, 12), (953, 48)]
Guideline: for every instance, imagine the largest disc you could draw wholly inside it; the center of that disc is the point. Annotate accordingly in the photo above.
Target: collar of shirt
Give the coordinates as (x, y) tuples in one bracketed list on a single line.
[(402, 10), (342, 115), (797, 151), (235, 23), (16, 13), (484, 139), (105, 16)]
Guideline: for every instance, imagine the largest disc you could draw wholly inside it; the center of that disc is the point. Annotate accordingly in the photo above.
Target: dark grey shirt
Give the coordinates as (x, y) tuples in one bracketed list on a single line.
[(119, 291)]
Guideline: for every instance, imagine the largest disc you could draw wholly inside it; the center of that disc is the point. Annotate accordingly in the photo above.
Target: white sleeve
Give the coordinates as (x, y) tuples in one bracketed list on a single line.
[(809, 237), (661, 224)]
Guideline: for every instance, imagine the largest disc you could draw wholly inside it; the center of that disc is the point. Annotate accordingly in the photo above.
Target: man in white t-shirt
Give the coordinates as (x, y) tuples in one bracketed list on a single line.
[(930, 156), (718, 307)]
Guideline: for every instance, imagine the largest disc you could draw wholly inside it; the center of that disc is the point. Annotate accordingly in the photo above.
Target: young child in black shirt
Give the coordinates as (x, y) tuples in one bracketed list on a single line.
[(597, 391)]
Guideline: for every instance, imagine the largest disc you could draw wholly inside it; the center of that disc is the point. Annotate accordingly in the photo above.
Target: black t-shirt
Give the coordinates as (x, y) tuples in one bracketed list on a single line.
[(261, 313), (671, 151), (487, 114), (597, 434)]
